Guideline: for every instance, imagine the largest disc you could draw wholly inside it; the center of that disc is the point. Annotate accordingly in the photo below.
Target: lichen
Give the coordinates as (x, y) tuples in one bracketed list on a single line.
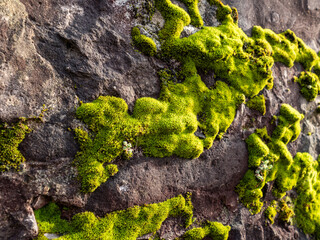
[(124, 224), (10, 138)]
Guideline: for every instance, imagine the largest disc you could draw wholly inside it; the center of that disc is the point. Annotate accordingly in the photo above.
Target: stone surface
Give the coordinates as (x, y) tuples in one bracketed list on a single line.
[(61, 52)]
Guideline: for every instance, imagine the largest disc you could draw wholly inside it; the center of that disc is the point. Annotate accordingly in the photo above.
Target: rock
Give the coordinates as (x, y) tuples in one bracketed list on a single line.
[(59, 53)]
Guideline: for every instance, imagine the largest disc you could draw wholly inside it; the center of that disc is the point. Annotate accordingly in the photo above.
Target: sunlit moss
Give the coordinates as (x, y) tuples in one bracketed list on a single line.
[(271, 212), (10, 138), (214, 230), (166, 126), (257, 103), (300, 172), (310, 85), (272, 153), (143, 43), (124, 224)]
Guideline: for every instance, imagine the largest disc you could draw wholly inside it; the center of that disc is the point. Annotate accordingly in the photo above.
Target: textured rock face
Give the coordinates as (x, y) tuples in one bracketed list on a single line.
[(59, 52)]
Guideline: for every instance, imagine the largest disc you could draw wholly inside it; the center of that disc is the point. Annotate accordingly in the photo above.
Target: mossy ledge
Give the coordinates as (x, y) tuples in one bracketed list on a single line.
[(300, 172), (164, 127), (124, 224), (10, 138)]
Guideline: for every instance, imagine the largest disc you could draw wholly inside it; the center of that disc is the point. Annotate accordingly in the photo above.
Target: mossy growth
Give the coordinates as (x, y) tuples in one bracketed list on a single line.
[(143, 43), (163, 127), (214, 230), (301, 173), (285, 211), (269, 160), (310, 85), (10, 138), (166, 126), (271, 211), (124, 224), (257, 103)]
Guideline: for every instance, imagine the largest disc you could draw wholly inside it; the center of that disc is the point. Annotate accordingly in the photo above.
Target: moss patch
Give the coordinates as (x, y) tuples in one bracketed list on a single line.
[(300, 172), (257, 103), (270, 151), (214, 230), (271, 211), (143, 43), (166, 126), (10, 138), (163, 127), (124, 224), (310, 85)]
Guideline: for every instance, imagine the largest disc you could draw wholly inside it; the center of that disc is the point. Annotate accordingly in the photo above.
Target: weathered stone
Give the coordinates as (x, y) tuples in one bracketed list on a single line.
[(61, 52)]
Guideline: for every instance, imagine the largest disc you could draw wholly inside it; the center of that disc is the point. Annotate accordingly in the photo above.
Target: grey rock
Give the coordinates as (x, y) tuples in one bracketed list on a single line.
[(61, 52)]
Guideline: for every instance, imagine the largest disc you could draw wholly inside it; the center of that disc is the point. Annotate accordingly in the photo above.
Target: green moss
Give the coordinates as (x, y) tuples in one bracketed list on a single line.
[(214, 230), (10, 138), (271, 212), (269, 159), (124, 224), (310, 85), (143, 43), (257, 103), (300, 172), (165, 126), (285, 212)]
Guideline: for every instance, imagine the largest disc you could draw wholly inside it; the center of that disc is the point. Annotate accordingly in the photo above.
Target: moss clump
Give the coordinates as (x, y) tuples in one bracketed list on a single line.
[(257, 103), (285, 212), (300, 172), (214, 230), (10, 138), (124, 224), (310, 85), (269, 159), (194, 13), (271, 212), (163, 127), (143, 43), (111, 125), (166, 126)]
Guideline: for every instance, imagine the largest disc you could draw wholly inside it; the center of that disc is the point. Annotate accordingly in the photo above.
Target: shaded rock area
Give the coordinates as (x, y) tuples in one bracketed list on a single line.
[(61, 52)]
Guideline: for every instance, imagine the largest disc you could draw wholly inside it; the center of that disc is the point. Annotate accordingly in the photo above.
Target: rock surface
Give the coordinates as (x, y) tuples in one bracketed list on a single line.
[(58, 53)]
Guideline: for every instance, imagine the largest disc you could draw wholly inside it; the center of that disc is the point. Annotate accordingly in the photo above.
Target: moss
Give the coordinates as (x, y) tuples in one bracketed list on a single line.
[(300, 172), (310, 85), (10, 138), (165, 126), (269, 159), (143, 43), (124, 224), (257, 103), (214, 230), (285, 212), (271, 212), (194, 13)]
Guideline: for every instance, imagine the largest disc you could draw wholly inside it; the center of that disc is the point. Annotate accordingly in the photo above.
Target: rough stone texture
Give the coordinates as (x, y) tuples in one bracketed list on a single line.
[(59, 52)]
